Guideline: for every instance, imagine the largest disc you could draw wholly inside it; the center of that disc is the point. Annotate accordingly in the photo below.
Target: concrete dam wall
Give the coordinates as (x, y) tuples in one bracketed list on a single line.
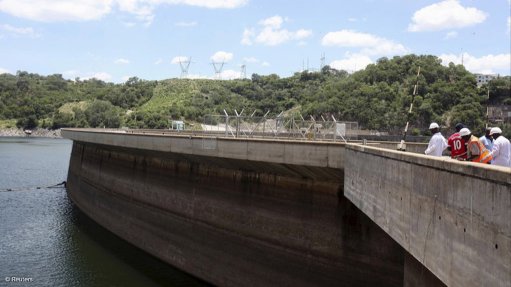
[(230, 221), (454, 217), (255, 212)]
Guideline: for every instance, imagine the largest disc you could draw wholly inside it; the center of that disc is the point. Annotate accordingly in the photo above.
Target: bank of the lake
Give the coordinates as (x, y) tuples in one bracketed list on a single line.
[(45, 133)]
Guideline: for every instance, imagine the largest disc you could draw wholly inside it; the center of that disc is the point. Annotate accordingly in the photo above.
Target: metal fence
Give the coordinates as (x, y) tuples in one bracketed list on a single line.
[(278, 127)]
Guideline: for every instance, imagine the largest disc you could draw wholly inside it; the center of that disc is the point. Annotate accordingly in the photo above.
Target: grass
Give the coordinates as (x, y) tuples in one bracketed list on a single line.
[(171, 93), (7, 124), (68, 107)]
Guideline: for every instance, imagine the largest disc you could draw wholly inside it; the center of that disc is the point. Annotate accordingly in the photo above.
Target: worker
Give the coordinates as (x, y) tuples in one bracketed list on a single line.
[(501, 150), (437, 143), (456, 145), (487, 139), (476, 151)]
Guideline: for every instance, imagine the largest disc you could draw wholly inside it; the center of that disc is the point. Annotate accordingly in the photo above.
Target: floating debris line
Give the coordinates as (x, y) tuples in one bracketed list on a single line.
[(58, 185)]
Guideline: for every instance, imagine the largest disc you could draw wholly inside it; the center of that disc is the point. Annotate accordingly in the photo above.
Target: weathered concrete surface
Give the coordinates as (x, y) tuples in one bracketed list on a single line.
[(453, 217), (410, 147), (234, 213), (319, 154)]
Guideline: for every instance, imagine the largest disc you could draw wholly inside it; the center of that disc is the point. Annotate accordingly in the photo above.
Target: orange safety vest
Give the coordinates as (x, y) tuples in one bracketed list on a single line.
[(484, 154)]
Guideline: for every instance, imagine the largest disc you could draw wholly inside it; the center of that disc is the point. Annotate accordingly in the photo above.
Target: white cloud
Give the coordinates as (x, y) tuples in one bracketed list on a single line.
[(247, 36), (70, 74), (230, 75), (353, 19), (129, 24), (122, 61), (271, 33), (57, 10), (179, 59), (251, 60), (450, 35), (370, 44), (144, 9), (272, 22), (448, 14), (198, 76), (186, 24), (18, 31), (272, 37), (225, 75), (86, 10), (211, 4), (103, 76), (488, 64), (221, 56), (352, 62), (4, 71)]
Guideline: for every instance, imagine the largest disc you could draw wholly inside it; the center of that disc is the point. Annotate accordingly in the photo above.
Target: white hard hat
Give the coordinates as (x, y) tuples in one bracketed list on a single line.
[(433, 126), (495, 130), (464, 132)]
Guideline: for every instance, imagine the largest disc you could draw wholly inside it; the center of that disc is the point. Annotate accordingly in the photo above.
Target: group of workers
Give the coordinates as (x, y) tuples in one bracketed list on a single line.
[(492, 148)]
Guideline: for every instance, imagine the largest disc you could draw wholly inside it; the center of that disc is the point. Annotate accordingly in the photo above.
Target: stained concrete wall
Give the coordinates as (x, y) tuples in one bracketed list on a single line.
[(319, 154), (233, 212), (453, 217)]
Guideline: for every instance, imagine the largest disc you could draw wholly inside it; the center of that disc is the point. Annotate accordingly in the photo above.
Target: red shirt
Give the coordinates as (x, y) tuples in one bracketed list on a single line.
[(457, 145)]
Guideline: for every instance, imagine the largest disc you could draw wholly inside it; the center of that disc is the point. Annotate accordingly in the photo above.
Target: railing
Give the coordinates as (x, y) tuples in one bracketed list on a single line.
[(278, 127)]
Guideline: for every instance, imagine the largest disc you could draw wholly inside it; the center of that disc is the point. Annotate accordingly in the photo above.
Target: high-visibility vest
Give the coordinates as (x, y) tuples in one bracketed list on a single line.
[(484, 154)]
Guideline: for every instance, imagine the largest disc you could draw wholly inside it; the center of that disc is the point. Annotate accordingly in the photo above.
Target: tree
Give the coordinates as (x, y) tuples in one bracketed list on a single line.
[(29, 123), (102, 114)]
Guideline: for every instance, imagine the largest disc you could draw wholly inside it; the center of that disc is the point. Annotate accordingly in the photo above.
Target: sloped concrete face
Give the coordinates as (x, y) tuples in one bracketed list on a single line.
[(233, 221), (453, 217)]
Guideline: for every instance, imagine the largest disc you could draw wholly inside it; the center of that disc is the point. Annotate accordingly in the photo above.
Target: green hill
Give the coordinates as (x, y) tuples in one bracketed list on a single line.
[(377, 97)]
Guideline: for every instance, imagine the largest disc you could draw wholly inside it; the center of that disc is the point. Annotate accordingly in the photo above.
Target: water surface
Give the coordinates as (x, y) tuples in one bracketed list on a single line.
[(46, 241)]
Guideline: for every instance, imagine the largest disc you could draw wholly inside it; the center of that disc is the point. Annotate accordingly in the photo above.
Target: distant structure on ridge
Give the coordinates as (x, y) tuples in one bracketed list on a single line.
[(185, 65), (218, 66), (243, 72), (322, 62)]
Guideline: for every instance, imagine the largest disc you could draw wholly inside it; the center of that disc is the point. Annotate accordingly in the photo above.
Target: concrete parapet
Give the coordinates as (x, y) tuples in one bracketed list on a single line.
[(316, 154), (453, 217)]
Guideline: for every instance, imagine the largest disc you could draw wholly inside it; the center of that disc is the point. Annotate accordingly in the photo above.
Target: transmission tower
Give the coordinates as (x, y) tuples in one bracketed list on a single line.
[(185, 65), (218, 66), (243, 73), (322, 61)]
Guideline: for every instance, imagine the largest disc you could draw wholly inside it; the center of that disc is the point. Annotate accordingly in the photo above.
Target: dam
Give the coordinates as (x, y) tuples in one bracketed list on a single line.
[(273, 212)]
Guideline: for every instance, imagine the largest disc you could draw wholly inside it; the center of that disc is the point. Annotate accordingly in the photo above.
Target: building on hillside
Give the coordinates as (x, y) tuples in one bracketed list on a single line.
[(484, 79)]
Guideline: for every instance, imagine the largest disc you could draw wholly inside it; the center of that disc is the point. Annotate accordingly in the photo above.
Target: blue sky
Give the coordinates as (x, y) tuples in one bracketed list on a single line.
[(113, 40)]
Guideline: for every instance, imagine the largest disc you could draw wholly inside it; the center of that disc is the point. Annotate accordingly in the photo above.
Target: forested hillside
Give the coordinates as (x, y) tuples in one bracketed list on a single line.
[(377, 97)]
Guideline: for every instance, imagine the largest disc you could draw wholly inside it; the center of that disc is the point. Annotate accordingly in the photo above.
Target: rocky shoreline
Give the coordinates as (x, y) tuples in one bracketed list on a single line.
[(35, 133)]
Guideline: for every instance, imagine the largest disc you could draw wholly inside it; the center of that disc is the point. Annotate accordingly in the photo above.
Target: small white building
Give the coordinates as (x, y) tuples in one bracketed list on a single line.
[(484, 79), (177, 125)]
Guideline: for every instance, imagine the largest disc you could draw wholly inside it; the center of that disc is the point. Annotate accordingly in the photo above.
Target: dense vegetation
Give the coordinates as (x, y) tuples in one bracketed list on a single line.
[(377, 97)]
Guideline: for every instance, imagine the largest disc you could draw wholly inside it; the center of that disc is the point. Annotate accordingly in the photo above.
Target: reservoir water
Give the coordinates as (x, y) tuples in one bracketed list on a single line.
[(46, 241)]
